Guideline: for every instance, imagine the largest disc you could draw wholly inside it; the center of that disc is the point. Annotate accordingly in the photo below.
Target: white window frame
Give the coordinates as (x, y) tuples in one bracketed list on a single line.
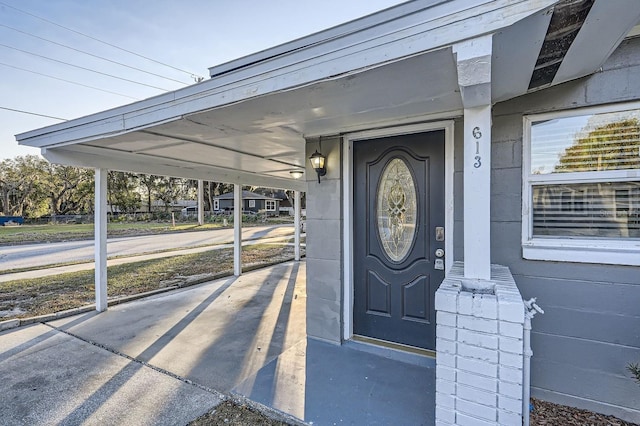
[(252, 204), (271, 203), (216, 204), (564, 249)]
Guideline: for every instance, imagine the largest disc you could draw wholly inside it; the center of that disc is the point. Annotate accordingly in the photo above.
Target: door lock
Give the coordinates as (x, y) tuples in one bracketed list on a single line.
[(439, 252)]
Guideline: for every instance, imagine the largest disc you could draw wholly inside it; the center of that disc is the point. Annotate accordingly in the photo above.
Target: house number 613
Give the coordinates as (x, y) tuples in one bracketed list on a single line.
[(477, 134)]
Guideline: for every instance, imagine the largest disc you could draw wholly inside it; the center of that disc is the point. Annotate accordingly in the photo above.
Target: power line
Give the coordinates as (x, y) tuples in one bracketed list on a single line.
[(90, 54), (33, 113), (68, 81), (82, 68), (193, 75)]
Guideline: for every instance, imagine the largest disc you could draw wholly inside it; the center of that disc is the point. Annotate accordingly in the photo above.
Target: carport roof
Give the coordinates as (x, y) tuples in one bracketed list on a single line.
[(249, 122)]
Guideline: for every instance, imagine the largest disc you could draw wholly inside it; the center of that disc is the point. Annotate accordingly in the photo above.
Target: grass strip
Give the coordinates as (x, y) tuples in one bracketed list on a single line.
[(285, 238), (47, 295), (29, 234)]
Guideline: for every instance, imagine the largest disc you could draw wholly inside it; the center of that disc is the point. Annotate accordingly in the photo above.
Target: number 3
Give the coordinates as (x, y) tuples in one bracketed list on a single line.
[(478, 163)]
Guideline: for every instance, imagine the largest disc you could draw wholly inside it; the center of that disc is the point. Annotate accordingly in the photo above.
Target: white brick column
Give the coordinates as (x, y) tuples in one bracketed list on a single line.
[(479, 345), (479, 310)]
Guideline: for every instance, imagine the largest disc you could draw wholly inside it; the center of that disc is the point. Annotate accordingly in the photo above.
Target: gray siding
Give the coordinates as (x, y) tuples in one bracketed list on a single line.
[(226, 204), (591, 326), (324, 244)]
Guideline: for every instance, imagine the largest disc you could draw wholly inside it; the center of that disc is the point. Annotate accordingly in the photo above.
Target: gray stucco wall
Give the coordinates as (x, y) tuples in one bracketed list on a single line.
[(324, 244), (591, 327)]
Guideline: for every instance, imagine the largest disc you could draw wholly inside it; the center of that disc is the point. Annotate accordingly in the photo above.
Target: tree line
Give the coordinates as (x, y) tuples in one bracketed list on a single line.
[(32, 187)]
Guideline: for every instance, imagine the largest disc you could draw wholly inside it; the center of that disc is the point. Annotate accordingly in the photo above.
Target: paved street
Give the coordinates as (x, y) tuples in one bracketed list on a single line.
[(33, 255)]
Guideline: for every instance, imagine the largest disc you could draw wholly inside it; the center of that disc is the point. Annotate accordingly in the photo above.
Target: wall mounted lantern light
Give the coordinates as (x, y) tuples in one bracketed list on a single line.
[(296, 174), (317, 162)]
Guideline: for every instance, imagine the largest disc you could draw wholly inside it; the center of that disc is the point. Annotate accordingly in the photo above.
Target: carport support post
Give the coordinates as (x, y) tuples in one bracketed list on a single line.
[(100, 238), (200, 202), (237, 230), (473, 59), (296, 224)]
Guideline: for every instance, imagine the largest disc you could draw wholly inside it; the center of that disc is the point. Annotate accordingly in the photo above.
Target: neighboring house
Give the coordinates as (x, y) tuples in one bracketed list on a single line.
[(458, 135), (286, 206), (251, 202), (160, 206)]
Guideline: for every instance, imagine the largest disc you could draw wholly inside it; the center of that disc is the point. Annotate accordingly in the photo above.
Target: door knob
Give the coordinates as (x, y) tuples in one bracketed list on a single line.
[(439, 252)]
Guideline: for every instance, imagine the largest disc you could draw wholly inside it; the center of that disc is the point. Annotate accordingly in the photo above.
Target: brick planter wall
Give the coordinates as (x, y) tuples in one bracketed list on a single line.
[(479, 346)]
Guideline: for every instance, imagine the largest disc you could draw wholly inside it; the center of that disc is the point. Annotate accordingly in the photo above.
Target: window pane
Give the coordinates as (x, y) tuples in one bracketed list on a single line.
[(605, 210), (586, 143), (396, 209)]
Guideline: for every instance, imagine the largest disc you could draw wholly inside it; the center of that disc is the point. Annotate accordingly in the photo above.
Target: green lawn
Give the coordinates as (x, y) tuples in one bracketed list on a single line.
[(71, 232), (48, 233)]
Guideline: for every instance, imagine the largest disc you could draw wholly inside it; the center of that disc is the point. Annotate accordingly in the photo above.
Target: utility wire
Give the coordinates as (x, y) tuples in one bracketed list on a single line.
[(83, 68), (68, 81), (33, 113), (193, 75), (91, 54)]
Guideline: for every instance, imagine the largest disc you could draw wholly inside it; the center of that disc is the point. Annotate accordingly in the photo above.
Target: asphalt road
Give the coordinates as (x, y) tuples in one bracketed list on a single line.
[(32, 255)]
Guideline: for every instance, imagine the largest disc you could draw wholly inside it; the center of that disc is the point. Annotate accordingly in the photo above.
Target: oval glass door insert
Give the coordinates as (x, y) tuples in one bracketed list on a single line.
[(396, 209)]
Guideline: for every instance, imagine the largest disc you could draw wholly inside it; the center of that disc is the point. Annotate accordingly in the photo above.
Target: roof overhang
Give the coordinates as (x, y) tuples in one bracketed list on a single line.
[(249, 122)]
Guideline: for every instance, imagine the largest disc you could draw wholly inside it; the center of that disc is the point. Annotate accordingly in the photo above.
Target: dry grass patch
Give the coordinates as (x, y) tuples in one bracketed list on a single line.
[(230, 414), (27, 298)]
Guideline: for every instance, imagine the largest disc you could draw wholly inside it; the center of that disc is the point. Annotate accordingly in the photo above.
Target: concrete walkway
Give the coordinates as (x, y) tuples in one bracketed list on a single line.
[(163, 360)]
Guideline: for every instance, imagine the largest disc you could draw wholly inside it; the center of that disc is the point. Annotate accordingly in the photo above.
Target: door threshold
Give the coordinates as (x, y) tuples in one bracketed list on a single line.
[(395, 346)]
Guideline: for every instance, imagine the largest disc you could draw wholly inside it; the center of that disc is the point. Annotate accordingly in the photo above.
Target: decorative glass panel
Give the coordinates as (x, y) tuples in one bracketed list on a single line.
[(396, 209), (586, 143), (604, 210)]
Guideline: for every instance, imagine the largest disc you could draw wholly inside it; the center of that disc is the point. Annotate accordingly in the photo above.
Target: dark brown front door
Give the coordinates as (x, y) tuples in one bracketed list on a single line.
[(399, 216)]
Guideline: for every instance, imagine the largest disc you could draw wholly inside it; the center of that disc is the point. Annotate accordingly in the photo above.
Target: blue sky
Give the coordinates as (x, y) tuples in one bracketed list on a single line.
[(191, 35)]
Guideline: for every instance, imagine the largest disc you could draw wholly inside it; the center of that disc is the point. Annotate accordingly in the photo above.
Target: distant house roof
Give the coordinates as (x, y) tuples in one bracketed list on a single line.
[(246, 195)]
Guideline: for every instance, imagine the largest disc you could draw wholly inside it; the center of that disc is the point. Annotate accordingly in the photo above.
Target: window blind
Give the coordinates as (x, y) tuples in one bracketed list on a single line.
[(591, 210)]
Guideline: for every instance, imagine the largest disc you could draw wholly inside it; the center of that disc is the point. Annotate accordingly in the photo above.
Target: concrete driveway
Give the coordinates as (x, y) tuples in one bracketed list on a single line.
[(160, 360), (167, 359)]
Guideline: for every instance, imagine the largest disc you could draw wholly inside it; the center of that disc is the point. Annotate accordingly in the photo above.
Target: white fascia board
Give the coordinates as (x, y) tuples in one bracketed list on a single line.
[(322, 36), (98, 158), (441, 25)]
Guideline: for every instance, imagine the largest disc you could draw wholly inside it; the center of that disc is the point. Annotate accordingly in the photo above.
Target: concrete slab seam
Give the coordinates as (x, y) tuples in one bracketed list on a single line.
[(220, 395)]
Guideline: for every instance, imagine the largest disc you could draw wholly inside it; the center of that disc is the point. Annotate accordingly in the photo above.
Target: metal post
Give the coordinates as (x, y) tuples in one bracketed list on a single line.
[(531, 308), (200, 202), (100, 239), (296, 224), (237, 230)]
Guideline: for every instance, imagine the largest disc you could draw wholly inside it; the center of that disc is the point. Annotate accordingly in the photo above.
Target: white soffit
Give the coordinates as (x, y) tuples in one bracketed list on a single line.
[(263, 137)]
